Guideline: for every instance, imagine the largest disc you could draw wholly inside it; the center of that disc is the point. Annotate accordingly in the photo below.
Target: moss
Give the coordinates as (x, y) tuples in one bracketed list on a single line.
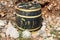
[(0, 36), (24, 38)]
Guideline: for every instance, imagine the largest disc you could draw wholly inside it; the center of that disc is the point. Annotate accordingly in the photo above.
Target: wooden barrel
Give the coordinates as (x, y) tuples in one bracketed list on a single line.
[(28, 16)]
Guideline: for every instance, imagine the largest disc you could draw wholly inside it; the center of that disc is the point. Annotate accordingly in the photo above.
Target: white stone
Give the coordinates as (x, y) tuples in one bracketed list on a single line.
[(12, 31), (58, 29), (44, 23), (43, 27), (26, 34), (2, 35), (58, 18), (49, 18), (50, 38), (44, 35), (2, 22), (41, 32)]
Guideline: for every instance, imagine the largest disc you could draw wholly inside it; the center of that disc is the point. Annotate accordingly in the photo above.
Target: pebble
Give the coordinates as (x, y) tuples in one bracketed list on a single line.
[(4, 3), (50, 38), (58, 29), (12, 31), (50, 6), (26, 34), (2, 35), (3, 22)]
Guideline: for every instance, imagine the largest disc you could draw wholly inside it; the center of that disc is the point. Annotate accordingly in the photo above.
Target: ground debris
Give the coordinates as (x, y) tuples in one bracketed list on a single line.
[(50, 13)]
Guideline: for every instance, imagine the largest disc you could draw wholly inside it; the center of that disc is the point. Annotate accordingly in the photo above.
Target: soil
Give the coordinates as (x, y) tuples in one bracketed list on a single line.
[(49, 8)]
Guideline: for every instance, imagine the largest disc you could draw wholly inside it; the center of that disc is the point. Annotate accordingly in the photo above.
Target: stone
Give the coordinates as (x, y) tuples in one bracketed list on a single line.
[(12, 31), (26, 34)]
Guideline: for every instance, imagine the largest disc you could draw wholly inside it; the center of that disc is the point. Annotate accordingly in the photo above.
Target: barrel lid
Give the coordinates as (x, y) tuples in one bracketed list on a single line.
[(29, 6)]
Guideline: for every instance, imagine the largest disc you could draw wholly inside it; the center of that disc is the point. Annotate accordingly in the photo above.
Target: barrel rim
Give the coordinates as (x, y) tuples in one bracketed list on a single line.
[(28, 10), (28, 29), (29, 16)]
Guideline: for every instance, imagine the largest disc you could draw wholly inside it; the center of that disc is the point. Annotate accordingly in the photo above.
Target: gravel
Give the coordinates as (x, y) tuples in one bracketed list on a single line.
[(50, 13)]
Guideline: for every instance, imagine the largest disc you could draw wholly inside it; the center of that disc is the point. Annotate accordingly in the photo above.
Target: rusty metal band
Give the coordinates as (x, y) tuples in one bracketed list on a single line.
[(28, 10), (28, 16)]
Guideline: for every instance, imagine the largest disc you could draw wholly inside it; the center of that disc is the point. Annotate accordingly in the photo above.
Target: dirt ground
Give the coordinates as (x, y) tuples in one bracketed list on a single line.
[(50, 13)]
